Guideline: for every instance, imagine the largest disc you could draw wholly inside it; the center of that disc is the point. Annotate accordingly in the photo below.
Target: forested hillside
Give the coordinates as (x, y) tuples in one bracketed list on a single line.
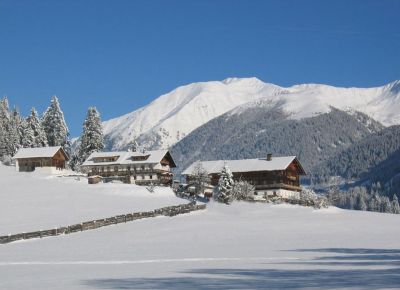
[(255, 131), (375, 159)]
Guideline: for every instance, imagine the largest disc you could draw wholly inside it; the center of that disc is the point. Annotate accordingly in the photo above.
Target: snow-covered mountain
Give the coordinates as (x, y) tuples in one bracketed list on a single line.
[(172, 116)]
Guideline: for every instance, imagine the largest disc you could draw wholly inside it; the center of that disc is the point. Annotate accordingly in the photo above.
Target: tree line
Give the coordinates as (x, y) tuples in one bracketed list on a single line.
[(50, 129), (363, 198)]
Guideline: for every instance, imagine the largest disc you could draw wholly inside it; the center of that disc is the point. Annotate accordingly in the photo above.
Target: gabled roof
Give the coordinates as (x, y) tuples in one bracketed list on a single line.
[(40, 152), (246, 165), (126, 157)]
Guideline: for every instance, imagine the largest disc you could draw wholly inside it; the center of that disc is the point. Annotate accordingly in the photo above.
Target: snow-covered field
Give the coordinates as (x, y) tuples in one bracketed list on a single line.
[(34, 201), (241, 246)]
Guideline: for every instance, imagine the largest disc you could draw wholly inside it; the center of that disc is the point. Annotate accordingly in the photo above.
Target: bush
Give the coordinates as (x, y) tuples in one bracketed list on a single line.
[(242, 190), (6, 160), (310, 198)]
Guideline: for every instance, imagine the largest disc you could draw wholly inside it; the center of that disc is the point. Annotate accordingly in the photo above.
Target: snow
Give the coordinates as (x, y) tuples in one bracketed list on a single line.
[(244, 165), (34, 201), (240, 246), (179, 112), (37, 152), (184, 109)]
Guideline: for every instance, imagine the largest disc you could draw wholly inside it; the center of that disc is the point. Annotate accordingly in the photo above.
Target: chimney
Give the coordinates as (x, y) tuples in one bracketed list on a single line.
[(269, 157)]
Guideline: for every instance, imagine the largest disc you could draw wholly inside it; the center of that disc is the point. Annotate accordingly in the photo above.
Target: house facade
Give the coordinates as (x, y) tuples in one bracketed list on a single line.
[(271, 176), (140, 168), (29, 159)]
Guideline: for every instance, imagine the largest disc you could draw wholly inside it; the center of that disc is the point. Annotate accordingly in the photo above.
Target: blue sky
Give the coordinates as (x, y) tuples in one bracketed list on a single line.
[(120, 55)]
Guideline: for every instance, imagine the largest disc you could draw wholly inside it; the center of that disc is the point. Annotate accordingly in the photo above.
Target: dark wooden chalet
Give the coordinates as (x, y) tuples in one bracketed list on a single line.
[(271, 176), (28, 159)]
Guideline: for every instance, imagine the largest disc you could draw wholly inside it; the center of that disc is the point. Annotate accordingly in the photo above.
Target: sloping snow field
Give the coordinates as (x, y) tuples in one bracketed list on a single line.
[(241, 246), (34, 201)]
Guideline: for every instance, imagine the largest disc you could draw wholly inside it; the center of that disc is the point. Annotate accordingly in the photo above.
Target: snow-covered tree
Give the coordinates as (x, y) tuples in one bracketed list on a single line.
[(133, 146), (242, 190), (9, 138), (372, 204), (28, 138), (18, 123), (395, 205), (4, 121), (309, 198), (91, 139), (385, 204), (361, 204), (15, 131), (199, 177), (40, 139), (225, 185), (54, 124)]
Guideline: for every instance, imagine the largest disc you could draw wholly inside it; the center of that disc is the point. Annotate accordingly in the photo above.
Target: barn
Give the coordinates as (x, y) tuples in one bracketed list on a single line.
[(28, 159), (271, 176)]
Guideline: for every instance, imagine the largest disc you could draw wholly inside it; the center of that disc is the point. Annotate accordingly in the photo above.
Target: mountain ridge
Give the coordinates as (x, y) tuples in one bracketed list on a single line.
[(170, 117)]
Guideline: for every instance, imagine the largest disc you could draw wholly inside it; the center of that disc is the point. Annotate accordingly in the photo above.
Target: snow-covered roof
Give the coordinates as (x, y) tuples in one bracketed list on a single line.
[(244, 165), (126, 157), (40, 152)]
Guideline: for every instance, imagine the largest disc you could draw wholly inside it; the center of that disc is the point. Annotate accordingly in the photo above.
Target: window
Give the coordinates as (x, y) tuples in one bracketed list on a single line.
[(128, 168), (140, 158), (108, 168), (151, 176), (116, 168)]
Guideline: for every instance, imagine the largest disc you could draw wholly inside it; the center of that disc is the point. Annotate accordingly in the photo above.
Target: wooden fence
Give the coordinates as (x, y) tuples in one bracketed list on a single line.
[(95, 224)]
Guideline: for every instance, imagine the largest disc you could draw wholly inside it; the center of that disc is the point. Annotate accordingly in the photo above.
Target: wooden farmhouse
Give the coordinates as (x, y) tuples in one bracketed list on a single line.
[(271, 176), (52, 158), (131, 167)]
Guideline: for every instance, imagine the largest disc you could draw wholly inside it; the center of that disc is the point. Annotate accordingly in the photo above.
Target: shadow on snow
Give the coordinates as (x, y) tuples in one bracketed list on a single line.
[(327, 278)]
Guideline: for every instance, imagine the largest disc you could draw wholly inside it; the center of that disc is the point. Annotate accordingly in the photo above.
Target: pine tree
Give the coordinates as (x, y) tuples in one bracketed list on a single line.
[(92, 136), (386, 206), (225, 185), (54, 124), (4, 121), (361, 204), (40, 139), (28, 138), (9, 140), (18, 124), (395, 205)]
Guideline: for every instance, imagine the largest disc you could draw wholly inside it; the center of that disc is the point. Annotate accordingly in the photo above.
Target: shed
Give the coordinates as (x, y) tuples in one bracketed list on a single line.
[(27, 159)]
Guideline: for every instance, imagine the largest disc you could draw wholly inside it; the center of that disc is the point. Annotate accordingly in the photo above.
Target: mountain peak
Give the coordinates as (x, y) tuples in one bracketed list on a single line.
[(248, 81), (172, 116)]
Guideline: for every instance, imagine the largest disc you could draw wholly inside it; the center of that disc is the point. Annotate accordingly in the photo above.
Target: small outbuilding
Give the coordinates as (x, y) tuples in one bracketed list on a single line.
[(28, 159)]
